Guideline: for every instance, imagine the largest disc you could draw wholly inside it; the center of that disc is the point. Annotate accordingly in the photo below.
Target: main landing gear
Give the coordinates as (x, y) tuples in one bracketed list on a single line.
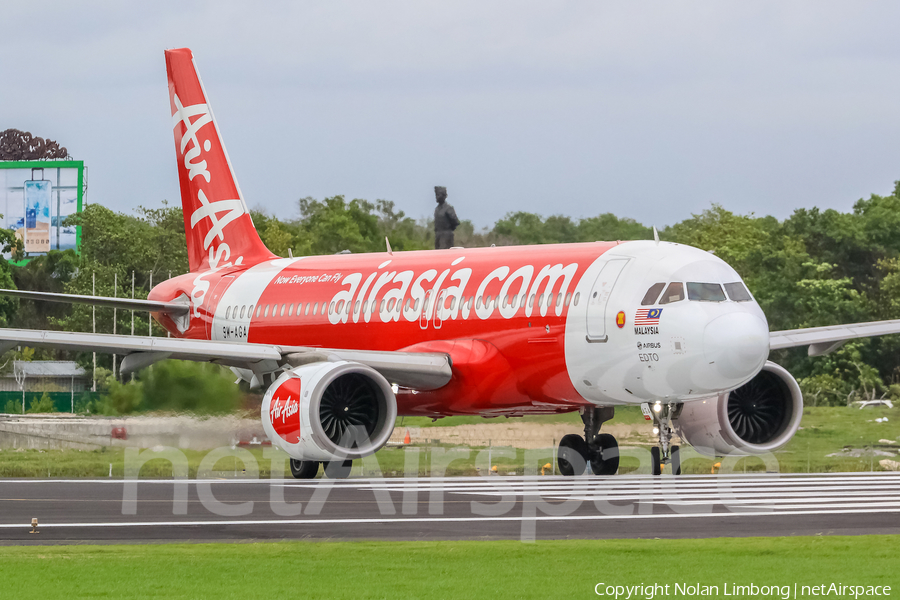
[(308, 469), (601, 449), (663, 415)]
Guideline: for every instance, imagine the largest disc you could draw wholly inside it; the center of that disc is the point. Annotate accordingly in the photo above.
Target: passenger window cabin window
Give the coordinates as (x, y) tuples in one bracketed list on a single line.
[(652, 294), (568, 298), (250, 312), (577, 296), (266, 311), (228, 313), (737, 291), (705, 292), (290, 309), (258, 311), (282, 310), (315, 308), (673, 293)]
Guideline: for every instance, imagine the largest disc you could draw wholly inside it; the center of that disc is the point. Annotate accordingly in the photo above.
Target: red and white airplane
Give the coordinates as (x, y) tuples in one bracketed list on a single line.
[(344, 344)]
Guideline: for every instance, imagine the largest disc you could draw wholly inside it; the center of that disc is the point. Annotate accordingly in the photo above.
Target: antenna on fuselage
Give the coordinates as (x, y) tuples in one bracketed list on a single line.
[(388, 244), (290, 253), (655, 235)]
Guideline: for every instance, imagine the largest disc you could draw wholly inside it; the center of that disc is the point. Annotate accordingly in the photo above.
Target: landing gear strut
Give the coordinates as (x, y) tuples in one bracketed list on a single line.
[(601, 449), (665, 453)]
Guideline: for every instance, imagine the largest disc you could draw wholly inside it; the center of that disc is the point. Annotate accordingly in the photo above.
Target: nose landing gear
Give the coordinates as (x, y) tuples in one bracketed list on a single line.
[(600, 449), (665, 453)]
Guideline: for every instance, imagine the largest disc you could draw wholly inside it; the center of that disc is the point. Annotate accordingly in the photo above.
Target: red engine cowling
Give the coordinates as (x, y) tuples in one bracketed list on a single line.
[(329, 411), (760, 416)]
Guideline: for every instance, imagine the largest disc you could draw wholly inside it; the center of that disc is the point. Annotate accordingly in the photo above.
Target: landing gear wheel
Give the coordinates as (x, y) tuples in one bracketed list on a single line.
[(675, 460), (304, 469), (605, 461), (338, 469), (573, 455), (655, 463)]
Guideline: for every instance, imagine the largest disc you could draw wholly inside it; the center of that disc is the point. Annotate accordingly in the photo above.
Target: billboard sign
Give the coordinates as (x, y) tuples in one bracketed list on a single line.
[(35, 199)]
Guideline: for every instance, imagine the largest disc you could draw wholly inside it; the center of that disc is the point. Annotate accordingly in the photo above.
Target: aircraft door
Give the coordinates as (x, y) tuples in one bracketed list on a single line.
[(598, 299)]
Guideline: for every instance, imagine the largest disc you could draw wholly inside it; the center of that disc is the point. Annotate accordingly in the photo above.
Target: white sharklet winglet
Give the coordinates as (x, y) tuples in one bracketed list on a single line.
[(822, 340), (415, 370), (172, 308)]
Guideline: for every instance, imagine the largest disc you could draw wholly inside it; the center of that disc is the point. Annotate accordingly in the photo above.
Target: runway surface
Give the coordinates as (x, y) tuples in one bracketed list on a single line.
[(116, 511)]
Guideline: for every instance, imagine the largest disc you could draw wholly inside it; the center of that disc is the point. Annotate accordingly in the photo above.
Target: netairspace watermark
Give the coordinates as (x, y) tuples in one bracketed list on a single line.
[(785, 592), (526, 500)]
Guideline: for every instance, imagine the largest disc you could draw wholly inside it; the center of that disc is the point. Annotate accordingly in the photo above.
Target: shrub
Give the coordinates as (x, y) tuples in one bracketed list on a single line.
[(13, 407), (183, 386), (122, 399), (42, 405)]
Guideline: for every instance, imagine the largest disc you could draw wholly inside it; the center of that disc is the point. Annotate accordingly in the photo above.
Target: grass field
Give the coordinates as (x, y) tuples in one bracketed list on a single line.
[(482, 569), (824, 430)]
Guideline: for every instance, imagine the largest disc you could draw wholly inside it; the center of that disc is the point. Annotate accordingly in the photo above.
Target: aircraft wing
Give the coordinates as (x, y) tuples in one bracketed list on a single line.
[(823, 340), (416, 370)]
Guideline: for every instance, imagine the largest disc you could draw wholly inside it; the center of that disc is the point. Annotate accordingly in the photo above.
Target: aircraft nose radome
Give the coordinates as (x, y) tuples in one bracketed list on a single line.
[(736, 345)]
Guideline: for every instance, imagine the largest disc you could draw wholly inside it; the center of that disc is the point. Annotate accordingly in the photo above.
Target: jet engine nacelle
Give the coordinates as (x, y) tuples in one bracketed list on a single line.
[(760, 416), (329, 411)]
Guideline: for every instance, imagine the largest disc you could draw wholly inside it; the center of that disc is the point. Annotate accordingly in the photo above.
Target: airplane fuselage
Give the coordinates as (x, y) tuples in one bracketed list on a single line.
[(530, 330)]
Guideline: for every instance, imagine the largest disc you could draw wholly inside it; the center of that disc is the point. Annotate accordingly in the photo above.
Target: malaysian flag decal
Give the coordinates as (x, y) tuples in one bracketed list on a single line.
[(647, 316)]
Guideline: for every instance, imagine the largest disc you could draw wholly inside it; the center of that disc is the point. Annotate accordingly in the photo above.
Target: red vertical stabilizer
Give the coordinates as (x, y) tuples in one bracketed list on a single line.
[(217, 224)]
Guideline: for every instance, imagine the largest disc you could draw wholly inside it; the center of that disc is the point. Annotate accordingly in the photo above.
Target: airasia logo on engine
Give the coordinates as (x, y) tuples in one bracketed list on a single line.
[(284, 411)]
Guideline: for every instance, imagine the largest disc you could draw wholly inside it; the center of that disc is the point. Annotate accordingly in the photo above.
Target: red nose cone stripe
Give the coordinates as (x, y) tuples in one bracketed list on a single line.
[(284, 411)]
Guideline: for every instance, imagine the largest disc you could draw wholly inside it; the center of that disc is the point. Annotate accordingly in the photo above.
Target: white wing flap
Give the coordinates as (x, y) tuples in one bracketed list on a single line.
[(416, 370), (822, 340)]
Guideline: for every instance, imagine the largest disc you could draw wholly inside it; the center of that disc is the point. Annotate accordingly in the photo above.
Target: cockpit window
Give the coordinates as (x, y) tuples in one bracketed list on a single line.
[(705, 292), (652, 294), (737, 291), (673, 293)]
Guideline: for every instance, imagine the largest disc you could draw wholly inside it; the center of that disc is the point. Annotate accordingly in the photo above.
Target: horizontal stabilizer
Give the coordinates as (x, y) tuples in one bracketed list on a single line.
[(171, 308)]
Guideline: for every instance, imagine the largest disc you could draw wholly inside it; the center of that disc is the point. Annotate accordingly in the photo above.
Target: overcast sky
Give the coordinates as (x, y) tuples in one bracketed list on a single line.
[(651, 110)]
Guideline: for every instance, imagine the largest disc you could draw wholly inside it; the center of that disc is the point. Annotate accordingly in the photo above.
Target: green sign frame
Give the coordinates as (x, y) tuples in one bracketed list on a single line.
[(53, 164)]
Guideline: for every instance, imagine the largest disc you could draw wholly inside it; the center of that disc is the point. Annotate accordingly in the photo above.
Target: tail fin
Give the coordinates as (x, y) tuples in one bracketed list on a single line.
[(217, 225)]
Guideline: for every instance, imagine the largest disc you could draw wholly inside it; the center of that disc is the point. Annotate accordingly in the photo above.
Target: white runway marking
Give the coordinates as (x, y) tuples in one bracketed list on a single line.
[(734, 496), (398, 520)]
